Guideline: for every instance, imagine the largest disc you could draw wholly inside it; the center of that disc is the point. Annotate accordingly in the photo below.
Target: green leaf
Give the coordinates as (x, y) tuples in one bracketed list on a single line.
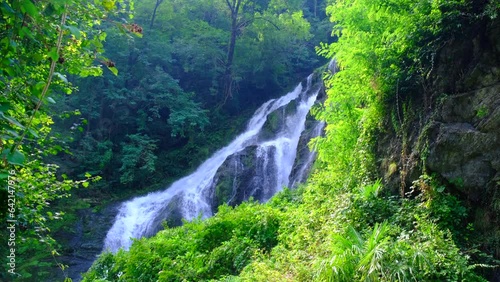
[(25, 32), (85, 184), (88, 175), (33, 132), (11, 120), (108, 4), (30, 8), (113, 70), (10, 131), (121, 28), (6, 9), (15, 158), (37, 58), (40, 85), (75, 31), (53, 54), (51, 100), (10, 71), (102, 36), (5, 106)]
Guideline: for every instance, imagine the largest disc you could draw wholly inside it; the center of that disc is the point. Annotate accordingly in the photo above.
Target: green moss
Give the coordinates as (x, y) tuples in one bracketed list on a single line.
[(224, 190)]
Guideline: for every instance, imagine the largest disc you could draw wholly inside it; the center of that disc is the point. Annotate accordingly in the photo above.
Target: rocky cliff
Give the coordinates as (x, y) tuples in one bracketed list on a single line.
[(452, 129)]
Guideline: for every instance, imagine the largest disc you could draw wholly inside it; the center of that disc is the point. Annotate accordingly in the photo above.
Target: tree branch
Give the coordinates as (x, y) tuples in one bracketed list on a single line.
[(49, 79), (229, 6), (237, 5), (243, 24)]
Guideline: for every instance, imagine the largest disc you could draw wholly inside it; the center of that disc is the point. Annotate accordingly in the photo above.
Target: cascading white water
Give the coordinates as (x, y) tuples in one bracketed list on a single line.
[(140, 216), (306, 166)]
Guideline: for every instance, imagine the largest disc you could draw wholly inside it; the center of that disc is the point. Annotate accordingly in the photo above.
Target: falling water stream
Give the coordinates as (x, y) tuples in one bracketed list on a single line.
[(274, 165)]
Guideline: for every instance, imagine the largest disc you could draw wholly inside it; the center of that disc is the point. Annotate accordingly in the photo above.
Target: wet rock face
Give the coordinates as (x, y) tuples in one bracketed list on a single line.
[(459, 117), (171, 215), (232, 181), (247, 174), (454, 131), (465, 141), (305, 157), (276, 121), (84, 241)]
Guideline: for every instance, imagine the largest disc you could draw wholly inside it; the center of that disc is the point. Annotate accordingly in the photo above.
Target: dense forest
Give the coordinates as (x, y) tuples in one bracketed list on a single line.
[(109, 99)]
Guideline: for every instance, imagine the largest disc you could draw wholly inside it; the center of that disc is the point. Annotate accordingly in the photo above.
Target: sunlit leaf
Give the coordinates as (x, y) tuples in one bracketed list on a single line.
[(113, 70), (108, 4), (53, 54), (40, 85)]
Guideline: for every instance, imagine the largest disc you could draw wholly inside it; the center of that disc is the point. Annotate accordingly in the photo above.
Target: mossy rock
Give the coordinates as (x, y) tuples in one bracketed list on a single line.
[(276, 120), (233, 177)]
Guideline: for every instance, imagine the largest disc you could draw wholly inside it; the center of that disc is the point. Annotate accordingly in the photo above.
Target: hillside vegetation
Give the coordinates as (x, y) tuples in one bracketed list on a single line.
[(351, 222), (119, 98)]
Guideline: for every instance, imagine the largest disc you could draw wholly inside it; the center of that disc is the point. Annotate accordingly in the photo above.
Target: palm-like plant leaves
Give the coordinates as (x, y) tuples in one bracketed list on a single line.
[(357, 258)]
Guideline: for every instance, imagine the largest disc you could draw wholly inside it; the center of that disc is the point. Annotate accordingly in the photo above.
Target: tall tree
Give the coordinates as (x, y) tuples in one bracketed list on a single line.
[(243, 14), (153, 17), (234, 8)]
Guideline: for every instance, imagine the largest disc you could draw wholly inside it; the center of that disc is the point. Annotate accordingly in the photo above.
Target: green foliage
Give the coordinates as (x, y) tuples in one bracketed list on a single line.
[(93, 154), (304, 236), (444, 208), (425, 253), (384, 46), (357, 258), (41, 43), (492, 9), (34, 187), (138, 158), (342, 226), (171, 83), (482, 112), (199, 250)]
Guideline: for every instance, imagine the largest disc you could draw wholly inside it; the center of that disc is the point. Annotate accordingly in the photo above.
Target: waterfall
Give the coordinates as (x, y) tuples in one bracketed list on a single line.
[(269, 146), (305, 167)]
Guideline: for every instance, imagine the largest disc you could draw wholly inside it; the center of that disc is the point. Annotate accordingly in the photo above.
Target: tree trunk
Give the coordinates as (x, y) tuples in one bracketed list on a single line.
[(158, 2), (228, 72)]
